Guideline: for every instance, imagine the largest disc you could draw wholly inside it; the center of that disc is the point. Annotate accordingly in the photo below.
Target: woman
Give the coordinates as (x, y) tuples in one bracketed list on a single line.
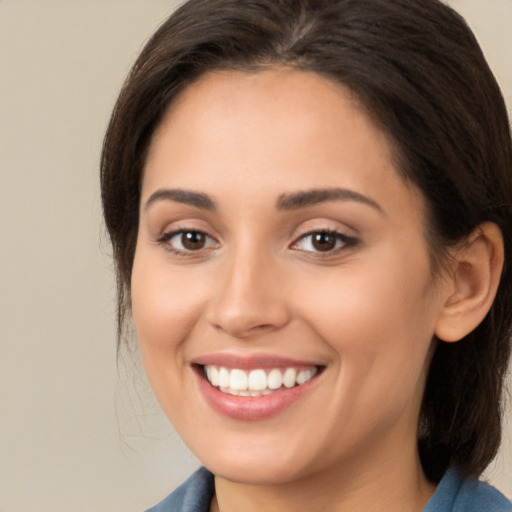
[(309, 205)]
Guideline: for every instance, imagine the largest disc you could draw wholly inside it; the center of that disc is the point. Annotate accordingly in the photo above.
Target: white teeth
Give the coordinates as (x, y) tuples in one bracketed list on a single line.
[(289, 377), (238, 380), (303, 376), (223, 378), (256, 382), (274, 379), (212, 373)]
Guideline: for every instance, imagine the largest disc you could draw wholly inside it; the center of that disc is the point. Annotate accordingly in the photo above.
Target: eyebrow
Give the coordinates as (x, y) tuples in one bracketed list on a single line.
[(197, 199), (291, 201), (298, 200)]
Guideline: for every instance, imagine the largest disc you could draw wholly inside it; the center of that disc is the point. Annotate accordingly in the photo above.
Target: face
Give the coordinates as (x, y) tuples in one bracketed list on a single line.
[(282, 289)]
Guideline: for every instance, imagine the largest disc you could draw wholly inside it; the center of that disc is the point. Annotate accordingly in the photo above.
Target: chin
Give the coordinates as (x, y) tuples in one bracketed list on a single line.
[(255, 472), (257, 465)]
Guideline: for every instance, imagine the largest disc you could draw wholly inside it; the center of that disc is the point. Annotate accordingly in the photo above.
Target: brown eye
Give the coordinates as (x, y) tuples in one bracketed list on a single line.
[(187, 241), (323, 241), (193, 240)]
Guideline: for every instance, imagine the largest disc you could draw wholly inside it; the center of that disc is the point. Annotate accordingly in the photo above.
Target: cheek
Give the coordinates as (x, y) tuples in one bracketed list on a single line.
[(379, 323), (380, 344), (166, 305)]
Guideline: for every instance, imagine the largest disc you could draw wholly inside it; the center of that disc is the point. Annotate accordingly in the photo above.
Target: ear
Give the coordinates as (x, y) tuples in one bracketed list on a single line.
[(472, 284)]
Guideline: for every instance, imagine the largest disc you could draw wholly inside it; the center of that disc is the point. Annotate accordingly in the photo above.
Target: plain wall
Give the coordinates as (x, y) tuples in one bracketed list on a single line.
[(74, 433)]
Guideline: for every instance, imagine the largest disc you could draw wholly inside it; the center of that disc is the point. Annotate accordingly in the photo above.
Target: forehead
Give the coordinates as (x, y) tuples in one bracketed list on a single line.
[(271, 94), (288, 104), (273, 128)]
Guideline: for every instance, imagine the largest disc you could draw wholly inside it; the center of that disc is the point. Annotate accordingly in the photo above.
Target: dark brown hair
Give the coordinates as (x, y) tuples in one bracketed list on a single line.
[(419, 72)]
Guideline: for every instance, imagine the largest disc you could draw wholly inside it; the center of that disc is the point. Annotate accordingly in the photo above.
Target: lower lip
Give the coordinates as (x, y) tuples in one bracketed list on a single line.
[(248, 408)]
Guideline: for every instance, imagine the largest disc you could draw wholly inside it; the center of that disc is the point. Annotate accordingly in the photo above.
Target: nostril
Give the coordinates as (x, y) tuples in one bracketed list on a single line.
[(243, 328)]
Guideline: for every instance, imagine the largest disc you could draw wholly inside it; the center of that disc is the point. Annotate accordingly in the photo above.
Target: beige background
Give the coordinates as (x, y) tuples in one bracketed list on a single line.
[(74, 435)]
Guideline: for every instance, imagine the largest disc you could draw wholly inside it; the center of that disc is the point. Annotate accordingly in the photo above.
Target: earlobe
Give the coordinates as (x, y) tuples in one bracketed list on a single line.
[(473, 283)]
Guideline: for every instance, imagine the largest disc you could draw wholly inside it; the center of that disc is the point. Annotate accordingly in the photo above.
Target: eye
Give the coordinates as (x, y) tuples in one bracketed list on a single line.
[(185, 241), (323, 241)]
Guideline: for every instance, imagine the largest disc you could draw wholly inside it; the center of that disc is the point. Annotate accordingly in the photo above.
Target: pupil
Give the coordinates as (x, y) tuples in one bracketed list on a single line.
[(193, 240), (324, 241)]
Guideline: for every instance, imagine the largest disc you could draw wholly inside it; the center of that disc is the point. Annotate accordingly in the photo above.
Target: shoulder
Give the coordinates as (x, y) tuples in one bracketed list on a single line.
[(193, 495), (455, 494)]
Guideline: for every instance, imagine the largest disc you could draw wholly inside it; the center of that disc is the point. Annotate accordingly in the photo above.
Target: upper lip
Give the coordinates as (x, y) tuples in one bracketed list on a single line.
[(251, 362)]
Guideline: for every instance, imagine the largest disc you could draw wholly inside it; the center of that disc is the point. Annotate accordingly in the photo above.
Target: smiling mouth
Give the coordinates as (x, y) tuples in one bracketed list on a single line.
[(259, 381)]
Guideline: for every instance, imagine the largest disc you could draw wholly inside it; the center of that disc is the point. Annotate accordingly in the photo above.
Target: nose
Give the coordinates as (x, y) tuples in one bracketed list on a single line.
[(250, 298)]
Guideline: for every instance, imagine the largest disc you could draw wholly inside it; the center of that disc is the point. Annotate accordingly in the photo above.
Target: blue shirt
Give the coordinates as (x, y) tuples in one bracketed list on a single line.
[(453, 494)]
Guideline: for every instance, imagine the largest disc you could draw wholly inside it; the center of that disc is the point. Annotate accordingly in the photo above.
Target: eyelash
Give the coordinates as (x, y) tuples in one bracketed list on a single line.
[(339, 238), (166, 238)]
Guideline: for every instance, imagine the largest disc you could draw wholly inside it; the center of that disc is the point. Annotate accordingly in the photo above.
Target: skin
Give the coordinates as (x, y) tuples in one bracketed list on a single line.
[(366, 311)]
